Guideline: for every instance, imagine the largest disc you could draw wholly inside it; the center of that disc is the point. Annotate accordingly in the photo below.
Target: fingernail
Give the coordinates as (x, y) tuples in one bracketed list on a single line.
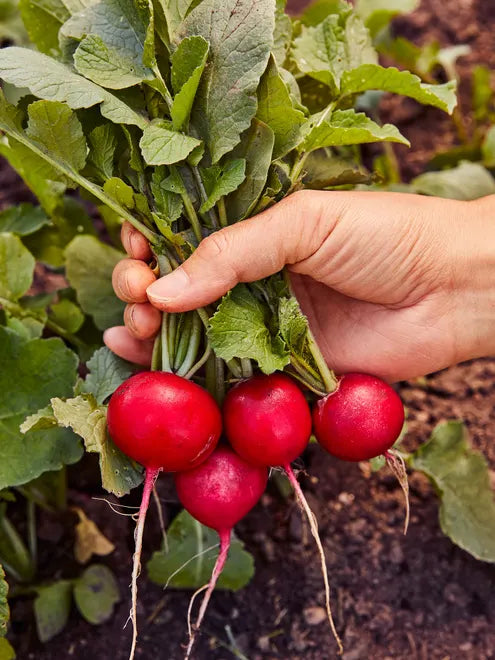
[(168, 287)]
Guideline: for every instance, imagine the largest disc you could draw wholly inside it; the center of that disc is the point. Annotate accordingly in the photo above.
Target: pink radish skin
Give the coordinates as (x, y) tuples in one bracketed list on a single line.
[(360, 420), (164, 422), (219, 493), (268, 422)]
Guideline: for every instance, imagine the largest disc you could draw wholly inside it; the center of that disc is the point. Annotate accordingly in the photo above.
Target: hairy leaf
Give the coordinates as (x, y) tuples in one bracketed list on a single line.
[(239, 329), (187, 538), (462, 480), (161, 145), (16, 267), (175, 12), (220, 180), (188, 63), (345, 127), (240, 34), (106, 373), (96, 593), (52, 609), (54, 81), (118, 473), (89, 267), (256, 149), (276, 110), (373, 76)]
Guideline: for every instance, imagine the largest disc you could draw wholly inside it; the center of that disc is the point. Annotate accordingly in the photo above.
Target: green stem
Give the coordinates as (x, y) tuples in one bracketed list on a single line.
[(18, 561), (219, 380), (327, 376), (156, 356), (204, 196), (172, 330), (298, 167), (166, 366), (192, 216), (184, 337), (31, 531), (222, 212), (193, 347), (234, 368), (202, 360), (68, 336), (316, 385), (247, 368)]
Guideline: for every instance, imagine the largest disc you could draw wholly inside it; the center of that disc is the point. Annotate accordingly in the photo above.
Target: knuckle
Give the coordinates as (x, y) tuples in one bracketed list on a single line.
[(215, 245)]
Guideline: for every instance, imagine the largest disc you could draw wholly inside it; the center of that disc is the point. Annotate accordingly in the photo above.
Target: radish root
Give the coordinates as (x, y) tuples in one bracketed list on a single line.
[(149, 482), (217, 569), (397, 465), (313, 524)]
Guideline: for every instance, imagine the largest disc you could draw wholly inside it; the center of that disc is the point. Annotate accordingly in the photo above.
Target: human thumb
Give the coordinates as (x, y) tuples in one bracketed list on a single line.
[(250, 250)]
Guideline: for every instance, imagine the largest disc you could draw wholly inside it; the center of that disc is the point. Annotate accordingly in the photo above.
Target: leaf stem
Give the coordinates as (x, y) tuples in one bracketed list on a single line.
[(193, 347), (222, 212), (166, 366), (327, 375), (204, 196)]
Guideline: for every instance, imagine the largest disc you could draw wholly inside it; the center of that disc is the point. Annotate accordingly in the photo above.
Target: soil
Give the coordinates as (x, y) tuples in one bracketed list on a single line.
[(395, 597)]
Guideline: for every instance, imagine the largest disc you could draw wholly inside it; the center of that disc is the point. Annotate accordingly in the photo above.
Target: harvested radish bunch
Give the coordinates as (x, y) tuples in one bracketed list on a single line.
[(268, 422), (360, 420), (218, 493), (164, 422)]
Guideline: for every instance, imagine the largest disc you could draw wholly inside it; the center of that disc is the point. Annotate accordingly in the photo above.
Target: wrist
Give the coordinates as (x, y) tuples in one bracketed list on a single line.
[(473, 268)]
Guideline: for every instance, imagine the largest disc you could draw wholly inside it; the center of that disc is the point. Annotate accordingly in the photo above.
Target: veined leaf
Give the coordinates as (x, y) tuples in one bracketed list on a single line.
[(188, 63), (106, 373), (52, 609), (240, 34), (96, 592), (161, 145), (282, 34), (239, 329), (175, 12), (89, 266), (4, 605), (42, 20), (256, 148), (220, 180), (31, 372), (89, 420), (373, 76), (16, 267), (461, 478), (465, 182), (52, 81), (346, 127), (328, 50), (23, 219), (102, 146), (276, 110), (186, 539)]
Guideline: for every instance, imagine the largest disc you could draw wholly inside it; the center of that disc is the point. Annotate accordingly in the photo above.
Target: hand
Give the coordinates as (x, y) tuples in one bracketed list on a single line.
[(393, 284)]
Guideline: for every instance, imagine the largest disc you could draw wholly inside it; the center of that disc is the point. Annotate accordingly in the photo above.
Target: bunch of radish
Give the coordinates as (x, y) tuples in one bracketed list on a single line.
[(170, 424)]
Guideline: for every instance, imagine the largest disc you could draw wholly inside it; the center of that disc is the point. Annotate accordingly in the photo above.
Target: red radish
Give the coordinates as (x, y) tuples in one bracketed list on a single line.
[(218, 493), (268, 422), (164, 422), (362, 419)]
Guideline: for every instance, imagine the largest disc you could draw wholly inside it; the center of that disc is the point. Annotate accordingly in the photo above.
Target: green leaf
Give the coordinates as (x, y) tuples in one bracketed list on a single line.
[(240, 34), (282, 34), (319, 10), (56, 129), (188, 63), (220, 180), (52, 609), (187, 538), (346, 127), (96, 592), (106, 373), (328, 50), (86, 418), (161, 145), (487, 150), (168, 202), (23, 219), (4, 605), (373, 76), (482, 92), (293, 325), (462, 480), (42, 20), (31, 372), (377, 14), (256, 149), (16, 267), (53, 81), (102, 143), (465, 182), (175, 12), (322, 172), (276, 110), (239, 328), (67, 315), (89, 267), (6, 650)]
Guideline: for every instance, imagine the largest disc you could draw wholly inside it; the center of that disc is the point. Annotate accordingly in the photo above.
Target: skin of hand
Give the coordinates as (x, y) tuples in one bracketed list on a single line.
[(393, 284)]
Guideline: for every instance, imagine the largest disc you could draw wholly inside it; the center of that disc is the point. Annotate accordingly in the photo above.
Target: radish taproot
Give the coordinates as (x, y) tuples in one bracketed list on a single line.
[(268, 423), (360, 420), (218, 493), (164, 422)]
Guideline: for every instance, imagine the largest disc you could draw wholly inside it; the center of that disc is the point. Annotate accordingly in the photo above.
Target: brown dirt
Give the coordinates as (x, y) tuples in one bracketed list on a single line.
[(395, 597)]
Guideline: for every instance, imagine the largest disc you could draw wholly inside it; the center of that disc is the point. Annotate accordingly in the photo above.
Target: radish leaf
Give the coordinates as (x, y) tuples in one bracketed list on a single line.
[(16, 267), (96, 593), (106, 373), (161, 145), (4, 606), (52, 609), (222, 180), (188, 63)]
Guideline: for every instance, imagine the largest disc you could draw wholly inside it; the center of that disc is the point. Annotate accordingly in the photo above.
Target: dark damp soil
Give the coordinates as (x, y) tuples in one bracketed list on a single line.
[(416, 597)]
